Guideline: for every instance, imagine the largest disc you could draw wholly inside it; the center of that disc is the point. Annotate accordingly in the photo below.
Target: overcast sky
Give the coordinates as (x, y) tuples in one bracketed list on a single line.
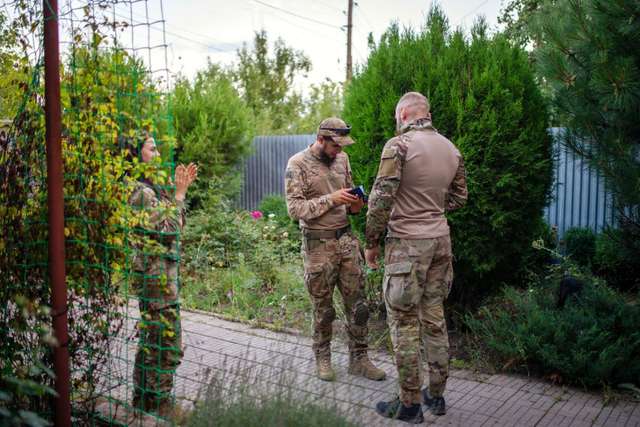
[(199, 29)]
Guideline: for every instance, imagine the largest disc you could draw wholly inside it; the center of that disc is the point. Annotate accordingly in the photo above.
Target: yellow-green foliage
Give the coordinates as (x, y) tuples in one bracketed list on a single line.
[(106, 98)]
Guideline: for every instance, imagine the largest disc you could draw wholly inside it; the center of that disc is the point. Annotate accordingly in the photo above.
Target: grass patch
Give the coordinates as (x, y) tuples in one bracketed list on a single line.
[(240, 396), (240, 292)]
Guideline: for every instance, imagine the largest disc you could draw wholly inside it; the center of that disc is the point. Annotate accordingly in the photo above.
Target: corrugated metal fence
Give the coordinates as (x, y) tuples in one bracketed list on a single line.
[(264, 170), (579, 197)]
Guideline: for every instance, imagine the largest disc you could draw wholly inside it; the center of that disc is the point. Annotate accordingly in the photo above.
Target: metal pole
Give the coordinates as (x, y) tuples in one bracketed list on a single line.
[(349, 35), (62, 410)]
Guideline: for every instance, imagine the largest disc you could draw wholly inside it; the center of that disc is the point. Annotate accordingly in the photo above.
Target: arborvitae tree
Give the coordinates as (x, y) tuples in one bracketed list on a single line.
[(588, 54), (484, 98)]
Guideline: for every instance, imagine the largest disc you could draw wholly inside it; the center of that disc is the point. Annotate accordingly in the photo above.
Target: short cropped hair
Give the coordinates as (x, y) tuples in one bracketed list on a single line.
[(412, 99)]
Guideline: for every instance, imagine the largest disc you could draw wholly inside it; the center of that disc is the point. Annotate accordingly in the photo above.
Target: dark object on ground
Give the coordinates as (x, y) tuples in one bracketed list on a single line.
[(569, 285), (435, 404), (397, 411)]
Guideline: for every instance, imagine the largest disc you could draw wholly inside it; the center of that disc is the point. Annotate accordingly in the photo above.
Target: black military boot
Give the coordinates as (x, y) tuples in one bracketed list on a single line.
[(396, 410), (435, 404)]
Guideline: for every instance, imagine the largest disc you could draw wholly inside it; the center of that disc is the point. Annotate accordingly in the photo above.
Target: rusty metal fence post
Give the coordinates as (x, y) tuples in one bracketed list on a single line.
[(55, 199)]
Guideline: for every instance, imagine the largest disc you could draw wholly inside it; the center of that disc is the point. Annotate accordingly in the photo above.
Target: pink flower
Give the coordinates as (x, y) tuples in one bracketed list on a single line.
[(256, 214)]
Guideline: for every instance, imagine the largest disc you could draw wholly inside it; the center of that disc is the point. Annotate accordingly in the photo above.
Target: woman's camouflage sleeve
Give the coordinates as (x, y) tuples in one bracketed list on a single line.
[(164, 219), (298, 206), (384, 189)]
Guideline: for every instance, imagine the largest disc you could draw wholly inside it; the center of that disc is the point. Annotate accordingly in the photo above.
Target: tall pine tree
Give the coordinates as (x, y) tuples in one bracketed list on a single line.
[(588, 54)]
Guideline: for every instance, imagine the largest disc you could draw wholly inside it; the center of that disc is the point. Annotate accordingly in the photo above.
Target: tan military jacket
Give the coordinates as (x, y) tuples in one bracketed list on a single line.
[(156, 244), (421, 176), (308, 184)]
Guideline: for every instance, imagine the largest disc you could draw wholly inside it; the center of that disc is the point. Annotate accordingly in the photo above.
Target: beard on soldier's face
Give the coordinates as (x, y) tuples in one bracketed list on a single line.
[(326, 159)]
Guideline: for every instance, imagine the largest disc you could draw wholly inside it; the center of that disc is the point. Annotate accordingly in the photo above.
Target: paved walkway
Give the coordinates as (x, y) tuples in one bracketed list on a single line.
[(238, 355), (473, 400)]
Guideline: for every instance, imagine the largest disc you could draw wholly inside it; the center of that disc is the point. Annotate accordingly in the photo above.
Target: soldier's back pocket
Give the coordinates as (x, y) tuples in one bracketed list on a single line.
[(400, 286)]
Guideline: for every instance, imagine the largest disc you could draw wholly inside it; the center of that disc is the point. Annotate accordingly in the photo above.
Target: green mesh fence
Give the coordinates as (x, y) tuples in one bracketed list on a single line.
[(122, 222)]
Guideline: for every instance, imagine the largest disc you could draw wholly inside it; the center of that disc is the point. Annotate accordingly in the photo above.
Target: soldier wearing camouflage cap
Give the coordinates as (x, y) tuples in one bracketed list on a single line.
[(317, 182), (421, 176)]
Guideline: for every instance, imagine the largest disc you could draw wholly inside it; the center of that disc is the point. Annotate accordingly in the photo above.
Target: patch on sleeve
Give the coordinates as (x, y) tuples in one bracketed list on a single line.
[(388, 162), (388, 153), (387, 167)]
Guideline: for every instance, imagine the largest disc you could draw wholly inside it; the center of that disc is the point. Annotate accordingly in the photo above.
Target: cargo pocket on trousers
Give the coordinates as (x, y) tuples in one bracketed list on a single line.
[(400, 286), (314, 280)]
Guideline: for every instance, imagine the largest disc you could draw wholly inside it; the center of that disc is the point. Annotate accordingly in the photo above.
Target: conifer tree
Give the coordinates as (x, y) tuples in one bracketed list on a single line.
[(588, 54), (484, 98)]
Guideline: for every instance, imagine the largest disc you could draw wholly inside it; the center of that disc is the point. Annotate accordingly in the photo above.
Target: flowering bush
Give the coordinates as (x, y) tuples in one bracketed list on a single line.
[(243, 263)]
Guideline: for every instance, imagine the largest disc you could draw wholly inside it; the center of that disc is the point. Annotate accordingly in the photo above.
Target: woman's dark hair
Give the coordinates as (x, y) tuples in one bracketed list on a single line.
[(133, 146)]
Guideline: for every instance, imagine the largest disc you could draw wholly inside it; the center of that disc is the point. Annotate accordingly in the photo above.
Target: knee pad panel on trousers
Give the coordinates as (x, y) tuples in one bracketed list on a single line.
[(361, 314), (328, 316)]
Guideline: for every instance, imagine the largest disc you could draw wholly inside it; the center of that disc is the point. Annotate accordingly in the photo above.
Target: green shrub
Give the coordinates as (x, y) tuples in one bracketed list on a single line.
[(105, 94), (214, 129), (485, 99), (593, 341), (616, 261), (219, 236), (580, 244), (274, 204), (277, 205), (246, 267), (16, 392)]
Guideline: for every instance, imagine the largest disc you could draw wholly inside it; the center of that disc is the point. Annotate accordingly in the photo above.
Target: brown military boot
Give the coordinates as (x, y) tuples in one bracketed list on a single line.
[(359, 364), (323, 368)]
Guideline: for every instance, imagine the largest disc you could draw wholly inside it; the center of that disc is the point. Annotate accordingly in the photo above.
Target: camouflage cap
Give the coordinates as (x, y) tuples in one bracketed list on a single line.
[(337, 129)]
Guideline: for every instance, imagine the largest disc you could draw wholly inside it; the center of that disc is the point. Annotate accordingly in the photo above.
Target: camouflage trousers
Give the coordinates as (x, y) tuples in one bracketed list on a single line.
[(158, 355), (329, 263), (417, 279)]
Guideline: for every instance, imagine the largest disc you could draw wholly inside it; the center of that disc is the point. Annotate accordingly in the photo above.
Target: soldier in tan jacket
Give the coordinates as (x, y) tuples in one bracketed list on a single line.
[(317, 185), (421, 176)]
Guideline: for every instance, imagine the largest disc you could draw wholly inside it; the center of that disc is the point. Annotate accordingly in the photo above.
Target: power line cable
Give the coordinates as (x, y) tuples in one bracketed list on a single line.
[(180, 36), (310, 30), (365, 17), (473, 11), (296, 15), (339, 9)]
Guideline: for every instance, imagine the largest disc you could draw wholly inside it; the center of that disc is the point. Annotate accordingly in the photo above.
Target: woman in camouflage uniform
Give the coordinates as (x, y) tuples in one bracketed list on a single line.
[(155, 280)]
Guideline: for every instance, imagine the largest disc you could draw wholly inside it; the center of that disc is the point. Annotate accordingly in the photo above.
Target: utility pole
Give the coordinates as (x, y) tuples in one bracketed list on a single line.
[(349, 31)]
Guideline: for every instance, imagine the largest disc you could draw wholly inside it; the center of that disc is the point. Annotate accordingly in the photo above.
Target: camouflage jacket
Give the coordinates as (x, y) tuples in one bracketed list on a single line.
[(156, 244), (411, 198), (308, 184)]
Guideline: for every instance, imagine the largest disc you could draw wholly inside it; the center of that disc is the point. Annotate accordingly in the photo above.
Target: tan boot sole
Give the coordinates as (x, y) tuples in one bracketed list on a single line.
[(359, 372), (329, 377)]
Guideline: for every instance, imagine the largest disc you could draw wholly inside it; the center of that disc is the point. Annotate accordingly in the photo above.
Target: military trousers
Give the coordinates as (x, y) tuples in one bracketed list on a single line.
[(158, 355), (417, 280), (331, 263)]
